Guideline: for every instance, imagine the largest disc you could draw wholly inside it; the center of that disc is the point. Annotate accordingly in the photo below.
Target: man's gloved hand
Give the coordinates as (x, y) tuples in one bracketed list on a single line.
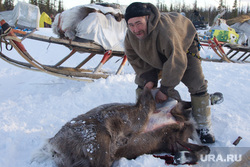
[(149, 85), (160, 97)]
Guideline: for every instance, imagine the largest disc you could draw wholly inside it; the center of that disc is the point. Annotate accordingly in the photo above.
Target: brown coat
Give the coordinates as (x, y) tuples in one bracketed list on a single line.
[(170, 36)]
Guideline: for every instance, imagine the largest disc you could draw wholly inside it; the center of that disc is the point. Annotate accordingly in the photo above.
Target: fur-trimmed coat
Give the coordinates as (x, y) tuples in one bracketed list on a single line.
[(170, 36)]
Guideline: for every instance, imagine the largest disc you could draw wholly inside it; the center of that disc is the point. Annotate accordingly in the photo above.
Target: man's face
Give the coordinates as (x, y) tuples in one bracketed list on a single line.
[(138, 26)]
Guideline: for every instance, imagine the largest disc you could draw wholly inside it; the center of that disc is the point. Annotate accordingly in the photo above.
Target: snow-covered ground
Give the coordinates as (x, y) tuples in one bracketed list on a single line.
[(34, 105)]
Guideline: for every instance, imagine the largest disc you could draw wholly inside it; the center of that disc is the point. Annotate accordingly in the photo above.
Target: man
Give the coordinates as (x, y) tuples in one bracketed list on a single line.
[(167, 44)]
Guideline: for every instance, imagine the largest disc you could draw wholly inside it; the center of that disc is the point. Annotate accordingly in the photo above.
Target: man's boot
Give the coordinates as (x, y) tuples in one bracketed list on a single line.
[(202, 115)]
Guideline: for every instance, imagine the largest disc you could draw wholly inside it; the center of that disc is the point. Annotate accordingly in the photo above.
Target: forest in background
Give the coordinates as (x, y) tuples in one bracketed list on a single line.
[(209, 13)]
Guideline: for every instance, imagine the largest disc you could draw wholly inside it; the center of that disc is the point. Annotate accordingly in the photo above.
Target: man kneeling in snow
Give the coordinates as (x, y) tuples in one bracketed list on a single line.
[(168, 43)]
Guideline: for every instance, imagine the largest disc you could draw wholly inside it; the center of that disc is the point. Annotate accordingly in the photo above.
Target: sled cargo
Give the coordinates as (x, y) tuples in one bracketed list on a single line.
[(96, 29), (229, 42)]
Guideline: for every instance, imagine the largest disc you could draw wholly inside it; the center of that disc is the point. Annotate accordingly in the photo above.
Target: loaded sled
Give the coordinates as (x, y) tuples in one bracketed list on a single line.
[(10, 39), (236, 53), (225, 42), (96, 47)]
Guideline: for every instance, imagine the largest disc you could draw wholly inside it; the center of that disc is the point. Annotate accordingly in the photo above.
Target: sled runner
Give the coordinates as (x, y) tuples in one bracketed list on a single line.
[(9, 38), (236, 54)]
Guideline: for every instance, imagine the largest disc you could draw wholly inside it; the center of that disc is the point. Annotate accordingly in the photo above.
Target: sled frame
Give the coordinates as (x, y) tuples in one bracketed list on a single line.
[(243, 51), (77, 72)]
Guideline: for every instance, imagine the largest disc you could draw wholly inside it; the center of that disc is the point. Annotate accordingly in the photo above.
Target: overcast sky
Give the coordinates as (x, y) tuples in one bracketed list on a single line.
[(201, 3)]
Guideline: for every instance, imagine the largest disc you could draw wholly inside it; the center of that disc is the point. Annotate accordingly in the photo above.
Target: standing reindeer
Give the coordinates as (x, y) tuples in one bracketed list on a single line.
[(111, 131)]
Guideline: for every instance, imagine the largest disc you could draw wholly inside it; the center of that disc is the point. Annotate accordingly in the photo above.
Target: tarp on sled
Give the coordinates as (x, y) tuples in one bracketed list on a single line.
[(23, 15), (100, 26), (243, 26)]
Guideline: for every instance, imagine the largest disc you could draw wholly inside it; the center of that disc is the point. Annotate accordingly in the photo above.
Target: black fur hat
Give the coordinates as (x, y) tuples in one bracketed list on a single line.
[(136, 9)]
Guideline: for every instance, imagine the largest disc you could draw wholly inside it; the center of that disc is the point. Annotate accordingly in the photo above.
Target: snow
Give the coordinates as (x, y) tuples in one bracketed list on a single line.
[(35, 105)]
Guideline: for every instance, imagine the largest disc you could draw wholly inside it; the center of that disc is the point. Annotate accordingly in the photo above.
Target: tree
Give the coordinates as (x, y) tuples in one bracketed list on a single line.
[(45, 6), (1, 6), (41, 5), (60, 6), (195, 5), (221, 5), (48, 6), (34, 2), (96, 1), (235, 9), (178, 7), (171, 8), (183, 7), (8, 4), (248, 9), (56, 6)]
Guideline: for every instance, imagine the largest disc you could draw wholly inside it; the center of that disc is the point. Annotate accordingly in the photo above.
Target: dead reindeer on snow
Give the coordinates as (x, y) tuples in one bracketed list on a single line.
[(108, 132)]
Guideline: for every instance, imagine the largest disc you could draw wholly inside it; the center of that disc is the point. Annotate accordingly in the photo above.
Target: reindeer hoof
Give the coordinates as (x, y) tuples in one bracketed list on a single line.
[(185, 157)]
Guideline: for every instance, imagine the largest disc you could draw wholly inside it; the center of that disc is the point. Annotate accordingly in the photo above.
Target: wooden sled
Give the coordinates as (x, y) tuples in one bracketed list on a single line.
[(236, 53), (78, 72)]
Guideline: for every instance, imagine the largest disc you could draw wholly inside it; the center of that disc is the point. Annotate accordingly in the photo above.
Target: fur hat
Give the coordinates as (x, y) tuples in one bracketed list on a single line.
[(136, 9)]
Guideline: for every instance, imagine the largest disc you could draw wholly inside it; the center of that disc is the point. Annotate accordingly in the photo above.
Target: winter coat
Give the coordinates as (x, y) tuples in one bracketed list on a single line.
[(170, 36)]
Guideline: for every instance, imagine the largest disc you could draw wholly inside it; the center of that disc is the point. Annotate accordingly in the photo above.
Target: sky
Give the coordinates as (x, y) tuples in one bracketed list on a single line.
[(201, 3)]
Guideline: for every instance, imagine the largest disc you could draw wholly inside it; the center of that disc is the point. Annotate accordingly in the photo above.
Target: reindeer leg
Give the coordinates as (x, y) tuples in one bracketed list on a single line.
[(152, 142), (136, 146), (102, 157), (144, 143)]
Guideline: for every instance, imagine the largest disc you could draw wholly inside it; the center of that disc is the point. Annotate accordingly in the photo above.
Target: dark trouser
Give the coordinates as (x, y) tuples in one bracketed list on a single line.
[(193, 77)]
